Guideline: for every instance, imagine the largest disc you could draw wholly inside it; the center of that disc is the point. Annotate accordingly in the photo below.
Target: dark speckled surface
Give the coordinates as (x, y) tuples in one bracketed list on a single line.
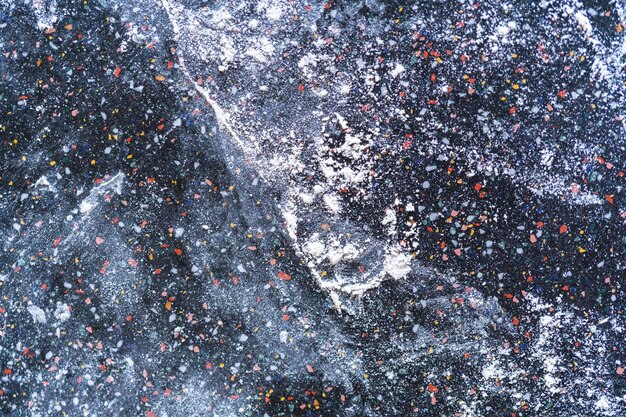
[(282, 208)]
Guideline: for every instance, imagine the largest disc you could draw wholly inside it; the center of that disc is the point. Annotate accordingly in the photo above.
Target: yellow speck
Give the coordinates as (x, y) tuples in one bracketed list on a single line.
[(93, 162), (53, 163)]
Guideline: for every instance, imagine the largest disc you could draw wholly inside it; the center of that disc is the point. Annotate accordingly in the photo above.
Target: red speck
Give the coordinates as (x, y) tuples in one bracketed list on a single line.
[(300, 87), (563, 229), (117, 71), (284, 276), (178, 251)]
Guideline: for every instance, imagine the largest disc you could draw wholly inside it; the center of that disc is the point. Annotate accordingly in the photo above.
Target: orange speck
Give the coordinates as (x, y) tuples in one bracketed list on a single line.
[(284, 276)]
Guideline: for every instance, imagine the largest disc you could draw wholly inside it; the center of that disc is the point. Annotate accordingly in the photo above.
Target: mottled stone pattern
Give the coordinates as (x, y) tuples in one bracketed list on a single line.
[(291, 208)]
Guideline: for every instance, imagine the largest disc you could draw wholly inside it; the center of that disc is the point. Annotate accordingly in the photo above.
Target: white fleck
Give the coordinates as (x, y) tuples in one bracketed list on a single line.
[(38, 314)]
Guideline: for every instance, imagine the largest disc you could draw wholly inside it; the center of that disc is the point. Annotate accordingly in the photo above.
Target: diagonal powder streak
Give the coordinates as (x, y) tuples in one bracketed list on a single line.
[(220, 114)]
